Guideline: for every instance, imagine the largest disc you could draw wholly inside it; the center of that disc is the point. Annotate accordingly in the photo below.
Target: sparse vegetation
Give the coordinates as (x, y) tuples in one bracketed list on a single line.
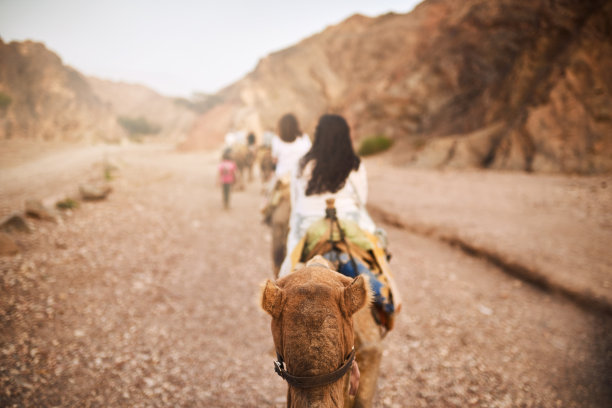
[(5, 100), (374, 144), (108, 173), (138, 126), (67, 204)]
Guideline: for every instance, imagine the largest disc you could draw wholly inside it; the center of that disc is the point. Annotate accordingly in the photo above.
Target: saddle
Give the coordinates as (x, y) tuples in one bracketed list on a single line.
[(352, 251)]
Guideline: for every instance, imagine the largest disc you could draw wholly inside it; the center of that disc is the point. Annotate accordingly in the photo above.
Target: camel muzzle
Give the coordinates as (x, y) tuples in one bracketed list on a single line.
[(316, 380)]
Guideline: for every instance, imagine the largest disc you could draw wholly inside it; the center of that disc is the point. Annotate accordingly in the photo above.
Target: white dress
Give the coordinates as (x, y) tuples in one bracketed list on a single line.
[(288, 154), (349, 202)]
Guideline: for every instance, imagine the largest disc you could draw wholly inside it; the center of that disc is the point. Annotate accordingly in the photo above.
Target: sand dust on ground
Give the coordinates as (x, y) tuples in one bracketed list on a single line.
[(149, 299)]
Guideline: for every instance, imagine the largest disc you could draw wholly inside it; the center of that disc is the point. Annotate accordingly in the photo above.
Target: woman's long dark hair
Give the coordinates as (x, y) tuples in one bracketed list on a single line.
[(288, 128), (333, 154)]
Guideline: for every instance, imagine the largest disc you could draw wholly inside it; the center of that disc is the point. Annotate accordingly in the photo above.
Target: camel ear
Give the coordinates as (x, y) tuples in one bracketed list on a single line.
[(357, 295), (271, 299)]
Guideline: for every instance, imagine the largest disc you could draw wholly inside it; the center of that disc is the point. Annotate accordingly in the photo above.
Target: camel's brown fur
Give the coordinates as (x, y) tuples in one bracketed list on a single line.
[(244, 159), (266, 163), (313, 312), (280, 230)]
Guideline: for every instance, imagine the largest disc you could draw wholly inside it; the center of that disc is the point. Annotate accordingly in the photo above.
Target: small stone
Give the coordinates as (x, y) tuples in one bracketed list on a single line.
[(15, 222), (485, 310), (36, 209), (94, 191)]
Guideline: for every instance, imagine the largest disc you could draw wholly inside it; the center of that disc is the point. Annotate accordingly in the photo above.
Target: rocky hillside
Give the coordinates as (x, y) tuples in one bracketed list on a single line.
[(507, 84), (43, 99), (172, 117)]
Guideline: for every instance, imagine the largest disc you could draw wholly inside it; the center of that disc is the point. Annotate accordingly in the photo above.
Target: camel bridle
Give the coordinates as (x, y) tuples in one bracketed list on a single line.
[(316, 380)]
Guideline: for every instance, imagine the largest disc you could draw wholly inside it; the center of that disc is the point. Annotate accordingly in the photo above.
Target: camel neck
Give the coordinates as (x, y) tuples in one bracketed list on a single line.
[(330, 396)]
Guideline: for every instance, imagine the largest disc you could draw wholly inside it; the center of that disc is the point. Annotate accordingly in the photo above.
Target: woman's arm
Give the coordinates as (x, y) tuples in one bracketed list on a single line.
[(359, 179)]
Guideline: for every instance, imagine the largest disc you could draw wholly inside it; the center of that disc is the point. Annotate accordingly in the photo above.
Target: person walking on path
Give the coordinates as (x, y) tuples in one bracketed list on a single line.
[(227, 176)]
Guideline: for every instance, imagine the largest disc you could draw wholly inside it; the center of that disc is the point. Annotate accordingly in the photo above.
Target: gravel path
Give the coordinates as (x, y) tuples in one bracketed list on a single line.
[(149, 299)]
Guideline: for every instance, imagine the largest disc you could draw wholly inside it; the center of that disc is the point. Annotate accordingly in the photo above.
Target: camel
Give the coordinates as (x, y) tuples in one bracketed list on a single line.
[(266, 163), (280, 229), (318, 315), (276, 214), (244, 158)]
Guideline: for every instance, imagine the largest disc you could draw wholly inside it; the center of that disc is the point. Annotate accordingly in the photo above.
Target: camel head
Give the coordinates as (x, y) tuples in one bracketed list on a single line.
[(312, 327)]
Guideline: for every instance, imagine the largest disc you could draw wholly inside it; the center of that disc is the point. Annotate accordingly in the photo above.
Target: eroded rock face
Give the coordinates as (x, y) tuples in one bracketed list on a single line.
[(209, 130), (538, 70), (43, 99), (137, 101)]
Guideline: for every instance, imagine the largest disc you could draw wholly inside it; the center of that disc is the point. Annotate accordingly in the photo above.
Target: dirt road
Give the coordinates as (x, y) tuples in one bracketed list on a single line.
[(149, 299)]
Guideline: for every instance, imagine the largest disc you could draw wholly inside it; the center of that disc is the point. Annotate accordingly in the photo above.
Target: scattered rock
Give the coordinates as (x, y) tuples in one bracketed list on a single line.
[(36, 209), (7, 245), (94, 191), (15, 222), (485, 310), (61, 244), (133, 319)]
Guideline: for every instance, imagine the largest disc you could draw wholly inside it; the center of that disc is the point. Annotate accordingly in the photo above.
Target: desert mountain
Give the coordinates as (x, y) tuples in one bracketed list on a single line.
[(131, 101), (43, 99), (507, 84)]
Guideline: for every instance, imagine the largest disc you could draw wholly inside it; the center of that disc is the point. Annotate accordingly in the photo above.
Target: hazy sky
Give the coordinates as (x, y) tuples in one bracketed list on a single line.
[(175, 47)]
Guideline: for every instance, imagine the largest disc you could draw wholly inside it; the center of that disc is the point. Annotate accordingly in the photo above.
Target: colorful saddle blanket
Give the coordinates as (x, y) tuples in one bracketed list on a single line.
[(354, 252)]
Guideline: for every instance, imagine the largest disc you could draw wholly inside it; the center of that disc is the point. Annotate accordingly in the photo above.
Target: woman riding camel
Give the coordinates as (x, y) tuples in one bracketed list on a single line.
[(286, 152), (290, 146), (330, 169), (329, 189)]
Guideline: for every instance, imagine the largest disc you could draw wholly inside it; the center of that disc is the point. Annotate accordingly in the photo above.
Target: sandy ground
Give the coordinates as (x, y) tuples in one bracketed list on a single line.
[(149, 298), (555, 229)]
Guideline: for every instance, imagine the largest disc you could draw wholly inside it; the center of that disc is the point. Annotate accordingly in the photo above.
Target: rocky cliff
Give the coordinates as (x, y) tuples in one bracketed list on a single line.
[(507, 84), (43, 99), (173, 118)]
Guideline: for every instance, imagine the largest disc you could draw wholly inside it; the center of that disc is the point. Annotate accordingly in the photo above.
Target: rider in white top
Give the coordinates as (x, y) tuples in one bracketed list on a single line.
[(350, 197), (287, 149), (287, 154)]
